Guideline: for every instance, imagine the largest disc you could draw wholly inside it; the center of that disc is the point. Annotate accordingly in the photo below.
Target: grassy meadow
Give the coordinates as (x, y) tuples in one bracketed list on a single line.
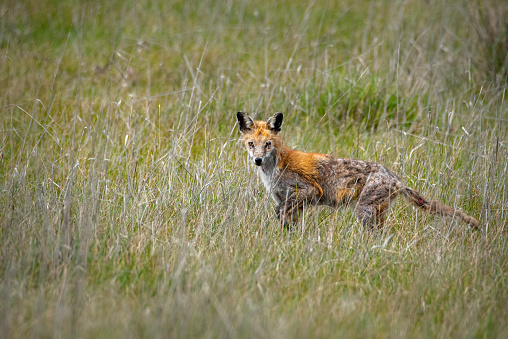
[(128, 207)]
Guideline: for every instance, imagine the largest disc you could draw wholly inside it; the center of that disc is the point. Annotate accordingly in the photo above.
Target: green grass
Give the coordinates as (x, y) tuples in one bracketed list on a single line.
[(129, 209)]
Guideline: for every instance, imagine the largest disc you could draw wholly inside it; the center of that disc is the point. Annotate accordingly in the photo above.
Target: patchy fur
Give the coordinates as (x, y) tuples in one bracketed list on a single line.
[(296, 178)]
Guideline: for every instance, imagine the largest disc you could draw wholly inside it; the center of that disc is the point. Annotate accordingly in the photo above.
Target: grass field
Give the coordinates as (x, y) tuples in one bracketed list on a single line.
[(128, 208)]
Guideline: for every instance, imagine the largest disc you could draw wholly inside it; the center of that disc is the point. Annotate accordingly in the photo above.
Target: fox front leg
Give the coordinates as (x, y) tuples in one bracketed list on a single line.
[(281, 213), (288, 211)]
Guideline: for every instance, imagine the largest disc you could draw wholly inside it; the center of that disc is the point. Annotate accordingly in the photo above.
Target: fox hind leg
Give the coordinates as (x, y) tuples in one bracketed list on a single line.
[(371, 216), (374, 203)]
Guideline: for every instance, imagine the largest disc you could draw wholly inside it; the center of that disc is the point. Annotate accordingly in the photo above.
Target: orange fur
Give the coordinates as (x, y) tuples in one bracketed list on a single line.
[(346, 195), (305, 164)]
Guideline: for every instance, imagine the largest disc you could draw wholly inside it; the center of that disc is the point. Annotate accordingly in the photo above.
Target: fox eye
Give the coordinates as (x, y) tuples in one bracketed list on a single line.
[(251, 144), (268, 144)]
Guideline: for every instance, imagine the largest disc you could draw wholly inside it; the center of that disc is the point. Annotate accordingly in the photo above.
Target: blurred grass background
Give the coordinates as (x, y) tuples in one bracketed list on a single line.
[(129, 209)]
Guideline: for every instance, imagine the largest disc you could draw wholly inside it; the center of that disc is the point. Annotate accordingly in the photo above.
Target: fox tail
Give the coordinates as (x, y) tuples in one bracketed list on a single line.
[(436, 207)]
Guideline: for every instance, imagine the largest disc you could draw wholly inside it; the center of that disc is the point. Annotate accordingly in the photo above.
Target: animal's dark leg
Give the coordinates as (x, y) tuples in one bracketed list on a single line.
[(280, 212), (381, 211), (374, 202), (366, 215), (288, 211)]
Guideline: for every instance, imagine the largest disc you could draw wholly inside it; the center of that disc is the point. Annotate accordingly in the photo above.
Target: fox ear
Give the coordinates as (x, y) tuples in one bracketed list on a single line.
[(245, 122), (275, 122)]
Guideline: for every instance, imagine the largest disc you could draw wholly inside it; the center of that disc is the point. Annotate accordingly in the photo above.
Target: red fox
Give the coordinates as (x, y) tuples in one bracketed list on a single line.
[(295, 179)]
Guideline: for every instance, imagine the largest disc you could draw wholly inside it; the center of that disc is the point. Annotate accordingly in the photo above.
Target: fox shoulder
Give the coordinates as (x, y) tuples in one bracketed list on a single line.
[(306, 165)]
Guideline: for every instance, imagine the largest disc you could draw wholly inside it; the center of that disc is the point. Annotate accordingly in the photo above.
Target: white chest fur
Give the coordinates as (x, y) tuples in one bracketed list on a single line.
[(266, 178), (268, 174)]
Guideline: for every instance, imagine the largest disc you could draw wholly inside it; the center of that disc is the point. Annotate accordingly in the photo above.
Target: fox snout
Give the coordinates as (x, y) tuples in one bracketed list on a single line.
[(258, 161)]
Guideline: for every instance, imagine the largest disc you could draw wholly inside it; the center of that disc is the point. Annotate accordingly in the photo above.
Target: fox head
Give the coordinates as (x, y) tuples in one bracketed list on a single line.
[(261, 137)]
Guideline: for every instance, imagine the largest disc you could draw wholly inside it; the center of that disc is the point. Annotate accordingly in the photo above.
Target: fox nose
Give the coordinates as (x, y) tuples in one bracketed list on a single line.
[(258, 161)]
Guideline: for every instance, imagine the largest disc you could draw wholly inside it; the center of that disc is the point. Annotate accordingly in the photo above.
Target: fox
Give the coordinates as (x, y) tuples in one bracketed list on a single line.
[(296, 179)]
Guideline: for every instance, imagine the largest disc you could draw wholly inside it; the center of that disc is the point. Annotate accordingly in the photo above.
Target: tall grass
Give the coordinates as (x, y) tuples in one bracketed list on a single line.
[(129, 209)]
